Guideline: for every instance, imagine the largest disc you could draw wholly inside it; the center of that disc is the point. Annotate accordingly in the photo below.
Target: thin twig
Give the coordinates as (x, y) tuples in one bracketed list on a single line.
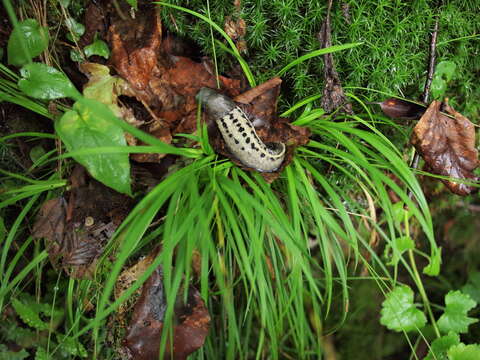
[(426, 89)]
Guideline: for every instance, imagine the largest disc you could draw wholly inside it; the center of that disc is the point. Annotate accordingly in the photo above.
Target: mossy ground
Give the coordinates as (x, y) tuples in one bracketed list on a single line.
[(392, 59)]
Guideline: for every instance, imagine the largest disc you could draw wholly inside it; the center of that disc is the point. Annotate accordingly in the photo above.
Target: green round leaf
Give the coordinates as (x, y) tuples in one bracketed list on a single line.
[(440, 346), (446, 69), (464, 352), (98, 47), (399, 313), (88, 126), (455, 316), (26, 41), (45, 82)]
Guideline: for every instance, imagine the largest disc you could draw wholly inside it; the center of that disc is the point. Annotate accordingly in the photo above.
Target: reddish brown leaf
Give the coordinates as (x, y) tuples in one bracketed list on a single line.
[(401, 109), (447, 144), (142, 340)]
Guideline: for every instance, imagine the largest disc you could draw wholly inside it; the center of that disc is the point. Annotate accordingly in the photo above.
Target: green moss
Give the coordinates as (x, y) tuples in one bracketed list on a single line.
[(393, 58)]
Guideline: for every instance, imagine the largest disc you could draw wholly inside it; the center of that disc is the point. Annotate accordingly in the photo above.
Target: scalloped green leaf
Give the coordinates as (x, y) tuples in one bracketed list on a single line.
[(26, 41), (464, 352), (439, 347), (399, 313), (28, 315), (45, 82), (472, 287), (41, 354), (89, 125), (455, 316)]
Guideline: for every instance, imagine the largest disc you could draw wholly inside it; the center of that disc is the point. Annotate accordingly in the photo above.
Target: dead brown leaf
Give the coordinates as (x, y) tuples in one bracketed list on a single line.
[(75, 231), (401, 109), (447, 144), (142, 340)]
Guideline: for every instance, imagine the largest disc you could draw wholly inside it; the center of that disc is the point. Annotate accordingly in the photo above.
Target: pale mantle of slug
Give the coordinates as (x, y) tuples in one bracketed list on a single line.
[(239, 133)]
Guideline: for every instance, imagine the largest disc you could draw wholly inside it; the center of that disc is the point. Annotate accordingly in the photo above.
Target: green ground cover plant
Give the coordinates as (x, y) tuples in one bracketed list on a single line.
[(282, 264)]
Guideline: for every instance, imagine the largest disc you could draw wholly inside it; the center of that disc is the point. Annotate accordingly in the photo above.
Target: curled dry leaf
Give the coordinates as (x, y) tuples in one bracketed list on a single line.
[(447, 144), (401, 109), (142, 341)]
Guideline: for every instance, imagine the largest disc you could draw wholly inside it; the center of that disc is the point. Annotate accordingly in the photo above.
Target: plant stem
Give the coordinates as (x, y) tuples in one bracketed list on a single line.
[(418, 281)]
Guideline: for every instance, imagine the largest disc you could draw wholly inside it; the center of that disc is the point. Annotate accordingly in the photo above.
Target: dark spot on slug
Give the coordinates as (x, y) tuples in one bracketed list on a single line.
[(241, 129), (230, 135), (247, 140), (262, 155), (244, 134), (236, 141)]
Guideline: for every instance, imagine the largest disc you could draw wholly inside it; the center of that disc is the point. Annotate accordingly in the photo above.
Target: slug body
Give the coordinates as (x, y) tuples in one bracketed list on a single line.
[(239, 133)]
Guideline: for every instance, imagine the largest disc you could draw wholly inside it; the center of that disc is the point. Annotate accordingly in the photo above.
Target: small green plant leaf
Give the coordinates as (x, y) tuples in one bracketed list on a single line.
[(88, 126), (76, 29), (28, 315), (464, 352), (399, 313), (98, 47), (433, 268), (26, 41), (72, 346), (440, 346), (41, 354), (45, 82), (6, 354), (398, 246), (444, 72), (36, 153), (446, 69), (76, 55), (455, 316), (472, 287)]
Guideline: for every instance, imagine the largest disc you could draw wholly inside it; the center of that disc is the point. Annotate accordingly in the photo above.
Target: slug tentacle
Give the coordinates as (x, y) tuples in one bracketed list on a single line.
[(239, 133)]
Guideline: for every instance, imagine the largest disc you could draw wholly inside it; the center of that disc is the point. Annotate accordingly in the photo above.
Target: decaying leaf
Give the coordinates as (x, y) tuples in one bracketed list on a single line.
[(401, 109), (142, 340), (75, 231), (447, 144)]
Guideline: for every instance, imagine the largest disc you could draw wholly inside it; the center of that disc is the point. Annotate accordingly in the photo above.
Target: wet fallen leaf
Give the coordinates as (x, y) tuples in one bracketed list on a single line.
[(401, 109), (77, 230), (447, 144), (142, 340)]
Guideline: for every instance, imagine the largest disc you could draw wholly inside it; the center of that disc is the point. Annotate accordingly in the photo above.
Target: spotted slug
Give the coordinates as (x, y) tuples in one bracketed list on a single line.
[(239, 133)]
